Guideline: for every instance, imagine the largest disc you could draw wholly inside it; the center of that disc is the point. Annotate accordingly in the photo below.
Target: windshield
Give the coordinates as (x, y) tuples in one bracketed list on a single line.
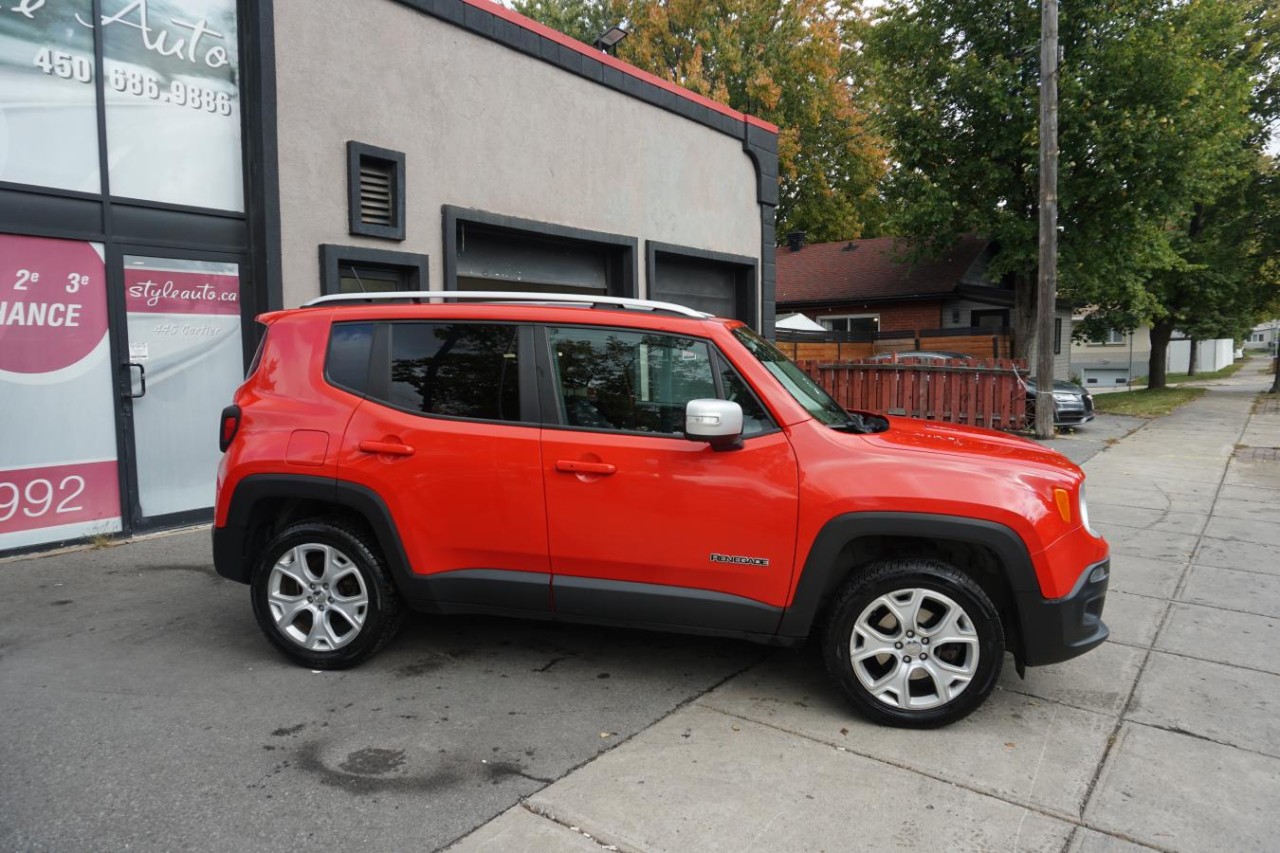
[(798, 384)]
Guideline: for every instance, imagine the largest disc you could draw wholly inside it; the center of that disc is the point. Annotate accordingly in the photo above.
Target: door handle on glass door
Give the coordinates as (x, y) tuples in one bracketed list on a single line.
[(142, 377), (386, 448), (575, 467)]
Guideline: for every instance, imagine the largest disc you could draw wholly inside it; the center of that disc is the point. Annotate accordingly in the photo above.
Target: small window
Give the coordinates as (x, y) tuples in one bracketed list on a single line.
[(629, 381), (347, 364), (375, 191), (1110, 338), (357, 269), (458, 370), (853, 323), (1057, 336)]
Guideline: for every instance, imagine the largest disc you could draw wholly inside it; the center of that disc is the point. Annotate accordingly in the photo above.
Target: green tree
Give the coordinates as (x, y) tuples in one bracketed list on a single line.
[(1156, 103), (584, 20), (790, 62)]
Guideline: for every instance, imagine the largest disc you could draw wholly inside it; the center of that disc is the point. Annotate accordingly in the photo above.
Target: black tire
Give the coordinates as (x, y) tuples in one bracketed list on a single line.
[(318, 626), (941, 688)]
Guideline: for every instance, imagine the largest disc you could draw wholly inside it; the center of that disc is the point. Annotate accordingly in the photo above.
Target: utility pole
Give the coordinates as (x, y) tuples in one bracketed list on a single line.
[(1047, 278)]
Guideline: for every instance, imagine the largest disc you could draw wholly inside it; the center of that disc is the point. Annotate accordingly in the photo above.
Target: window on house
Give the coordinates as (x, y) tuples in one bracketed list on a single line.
[(1112, 336), (852, 322), (995, 318), (1057, 336), (375, 191)]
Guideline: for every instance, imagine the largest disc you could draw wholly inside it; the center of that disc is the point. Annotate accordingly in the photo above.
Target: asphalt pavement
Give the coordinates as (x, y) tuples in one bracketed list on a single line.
[(141, 709)]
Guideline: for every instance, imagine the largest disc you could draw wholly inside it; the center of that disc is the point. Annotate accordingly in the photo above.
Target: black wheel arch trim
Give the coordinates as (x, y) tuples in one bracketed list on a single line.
[(823, 573), (231, 541)]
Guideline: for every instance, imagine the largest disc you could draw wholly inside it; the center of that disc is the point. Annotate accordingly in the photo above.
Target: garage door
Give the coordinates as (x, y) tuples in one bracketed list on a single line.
[(717, 287), (1104, 377), (496, 259)]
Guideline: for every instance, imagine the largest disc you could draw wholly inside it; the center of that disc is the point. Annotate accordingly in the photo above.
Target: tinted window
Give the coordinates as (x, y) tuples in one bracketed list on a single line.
[(629, 381), (347, 365), (461, 370)]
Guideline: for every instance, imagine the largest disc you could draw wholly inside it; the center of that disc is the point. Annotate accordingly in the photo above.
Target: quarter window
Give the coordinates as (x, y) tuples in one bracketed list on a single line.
[(461, 370)]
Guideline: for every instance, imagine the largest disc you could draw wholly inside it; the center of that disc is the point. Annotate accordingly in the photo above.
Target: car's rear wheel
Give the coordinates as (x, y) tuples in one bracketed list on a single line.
[(322, 595), (914, 643)]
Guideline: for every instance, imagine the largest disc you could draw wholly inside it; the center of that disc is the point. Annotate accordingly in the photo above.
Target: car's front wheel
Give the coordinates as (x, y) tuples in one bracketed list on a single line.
[(914, 643), (322, 595)]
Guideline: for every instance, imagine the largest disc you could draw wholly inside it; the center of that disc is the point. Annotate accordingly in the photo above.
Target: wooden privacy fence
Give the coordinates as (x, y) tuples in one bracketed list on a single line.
[(829, 347), (984, 393)]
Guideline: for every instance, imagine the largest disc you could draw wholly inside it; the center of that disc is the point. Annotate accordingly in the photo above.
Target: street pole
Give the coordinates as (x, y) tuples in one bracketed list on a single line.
[(1047, 278)]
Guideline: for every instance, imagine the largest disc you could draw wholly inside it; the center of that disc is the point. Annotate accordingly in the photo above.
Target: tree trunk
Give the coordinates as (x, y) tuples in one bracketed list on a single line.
[(1161, 332), (1192, 360), (1024, 316)]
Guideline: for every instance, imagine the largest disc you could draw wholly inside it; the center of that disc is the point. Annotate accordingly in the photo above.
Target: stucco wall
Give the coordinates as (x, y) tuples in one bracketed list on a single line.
[(484, 127)]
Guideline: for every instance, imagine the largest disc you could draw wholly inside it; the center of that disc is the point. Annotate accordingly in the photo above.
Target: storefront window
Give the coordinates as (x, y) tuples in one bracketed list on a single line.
[(58, 474), (48, 101), (171, 72)]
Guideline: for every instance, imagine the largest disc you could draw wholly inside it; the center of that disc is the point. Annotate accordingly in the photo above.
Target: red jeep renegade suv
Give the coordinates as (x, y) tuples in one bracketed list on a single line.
[(637, 463)]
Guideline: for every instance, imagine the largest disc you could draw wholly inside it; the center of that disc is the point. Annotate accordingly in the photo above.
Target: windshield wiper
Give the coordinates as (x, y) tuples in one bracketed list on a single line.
[(862, 424)]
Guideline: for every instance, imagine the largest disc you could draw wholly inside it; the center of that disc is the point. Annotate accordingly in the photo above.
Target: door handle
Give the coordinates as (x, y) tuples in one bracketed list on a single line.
[(386, 448), (142, 377), (575, 467)]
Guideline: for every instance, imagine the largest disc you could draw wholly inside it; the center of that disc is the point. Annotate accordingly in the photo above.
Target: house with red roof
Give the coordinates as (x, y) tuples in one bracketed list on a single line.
[(875, 286)]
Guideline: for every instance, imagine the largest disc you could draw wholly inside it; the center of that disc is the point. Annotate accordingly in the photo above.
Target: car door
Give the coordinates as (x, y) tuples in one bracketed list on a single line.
[(644, 525), (448, 439)]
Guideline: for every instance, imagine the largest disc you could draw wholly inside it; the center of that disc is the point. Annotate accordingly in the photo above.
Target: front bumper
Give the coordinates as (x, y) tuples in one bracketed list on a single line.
[(1058, 629)]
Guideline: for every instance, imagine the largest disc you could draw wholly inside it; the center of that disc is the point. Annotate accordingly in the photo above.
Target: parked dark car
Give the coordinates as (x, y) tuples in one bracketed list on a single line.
[(922, 355), (1072, 405)]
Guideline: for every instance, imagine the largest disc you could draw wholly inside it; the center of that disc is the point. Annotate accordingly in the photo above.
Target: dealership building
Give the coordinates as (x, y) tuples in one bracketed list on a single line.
[(171, 168)]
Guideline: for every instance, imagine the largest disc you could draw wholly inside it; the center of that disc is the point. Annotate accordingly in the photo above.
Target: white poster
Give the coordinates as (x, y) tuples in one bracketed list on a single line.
[(48, 102), (58, 472), (172, 74)]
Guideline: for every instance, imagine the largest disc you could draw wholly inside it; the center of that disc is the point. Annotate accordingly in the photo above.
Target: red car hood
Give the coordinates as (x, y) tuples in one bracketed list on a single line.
[(975, 443)]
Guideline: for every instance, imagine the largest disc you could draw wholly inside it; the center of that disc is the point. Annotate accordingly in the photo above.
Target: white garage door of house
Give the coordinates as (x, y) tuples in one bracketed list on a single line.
[(1104, 377)]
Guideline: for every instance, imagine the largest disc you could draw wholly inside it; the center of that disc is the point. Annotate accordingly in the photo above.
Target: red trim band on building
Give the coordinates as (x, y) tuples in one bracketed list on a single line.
[(603, 58)]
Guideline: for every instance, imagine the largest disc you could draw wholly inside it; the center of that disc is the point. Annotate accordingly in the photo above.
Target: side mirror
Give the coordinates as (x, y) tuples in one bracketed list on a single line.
[(718, 422)]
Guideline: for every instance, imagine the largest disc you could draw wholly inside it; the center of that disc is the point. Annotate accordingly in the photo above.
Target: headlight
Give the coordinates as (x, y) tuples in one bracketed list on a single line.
[(1084, 515)]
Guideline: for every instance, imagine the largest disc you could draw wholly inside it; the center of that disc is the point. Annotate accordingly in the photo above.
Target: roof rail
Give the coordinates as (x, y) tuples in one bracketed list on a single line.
[(582, 299)]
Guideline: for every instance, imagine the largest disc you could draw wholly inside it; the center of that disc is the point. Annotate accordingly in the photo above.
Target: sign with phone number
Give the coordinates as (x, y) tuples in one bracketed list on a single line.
[(54, 495)]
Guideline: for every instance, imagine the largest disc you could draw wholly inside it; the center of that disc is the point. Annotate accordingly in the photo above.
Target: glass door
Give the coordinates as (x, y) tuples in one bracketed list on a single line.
[(183, 360)]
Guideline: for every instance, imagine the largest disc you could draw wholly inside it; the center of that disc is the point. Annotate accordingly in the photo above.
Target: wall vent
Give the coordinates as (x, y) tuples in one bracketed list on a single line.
[(375, 191)]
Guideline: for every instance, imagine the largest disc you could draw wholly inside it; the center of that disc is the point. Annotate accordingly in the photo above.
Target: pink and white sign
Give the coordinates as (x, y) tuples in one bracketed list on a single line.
[(181, 292), (53, 310), (57, 495), (58, 471)]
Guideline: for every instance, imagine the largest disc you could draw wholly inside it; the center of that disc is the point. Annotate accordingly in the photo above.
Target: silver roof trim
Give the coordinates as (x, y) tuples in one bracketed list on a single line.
[(582, 299)]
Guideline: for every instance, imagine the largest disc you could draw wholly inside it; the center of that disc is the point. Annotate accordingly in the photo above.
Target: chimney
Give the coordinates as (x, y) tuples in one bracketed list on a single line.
[(795, 241)]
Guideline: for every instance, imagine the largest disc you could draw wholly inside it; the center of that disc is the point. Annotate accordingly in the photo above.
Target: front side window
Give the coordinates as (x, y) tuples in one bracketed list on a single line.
[(611, 379), (461, 370)]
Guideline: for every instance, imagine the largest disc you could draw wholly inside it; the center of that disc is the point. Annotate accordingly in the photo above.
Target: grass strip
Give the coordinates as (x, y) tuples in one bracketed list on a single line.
[(1146, 403), (1199, 377)]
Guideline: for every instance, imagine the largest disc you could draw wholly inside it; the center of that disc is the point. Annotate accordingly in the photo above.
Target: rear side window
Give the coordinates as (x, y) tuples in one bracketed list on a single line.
[(461, 370), (347, 363)]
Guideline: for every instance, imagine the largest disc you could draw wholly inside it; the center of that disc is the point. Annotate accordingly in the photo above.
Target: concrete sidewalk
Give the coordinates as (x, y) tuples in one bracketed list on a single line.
[(1167, 737)]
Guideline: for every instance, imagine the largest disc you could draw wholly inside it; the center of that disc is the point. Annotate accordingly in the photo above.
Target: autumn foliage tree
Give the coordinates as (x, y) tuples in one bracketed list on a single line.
[(786, 61)]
